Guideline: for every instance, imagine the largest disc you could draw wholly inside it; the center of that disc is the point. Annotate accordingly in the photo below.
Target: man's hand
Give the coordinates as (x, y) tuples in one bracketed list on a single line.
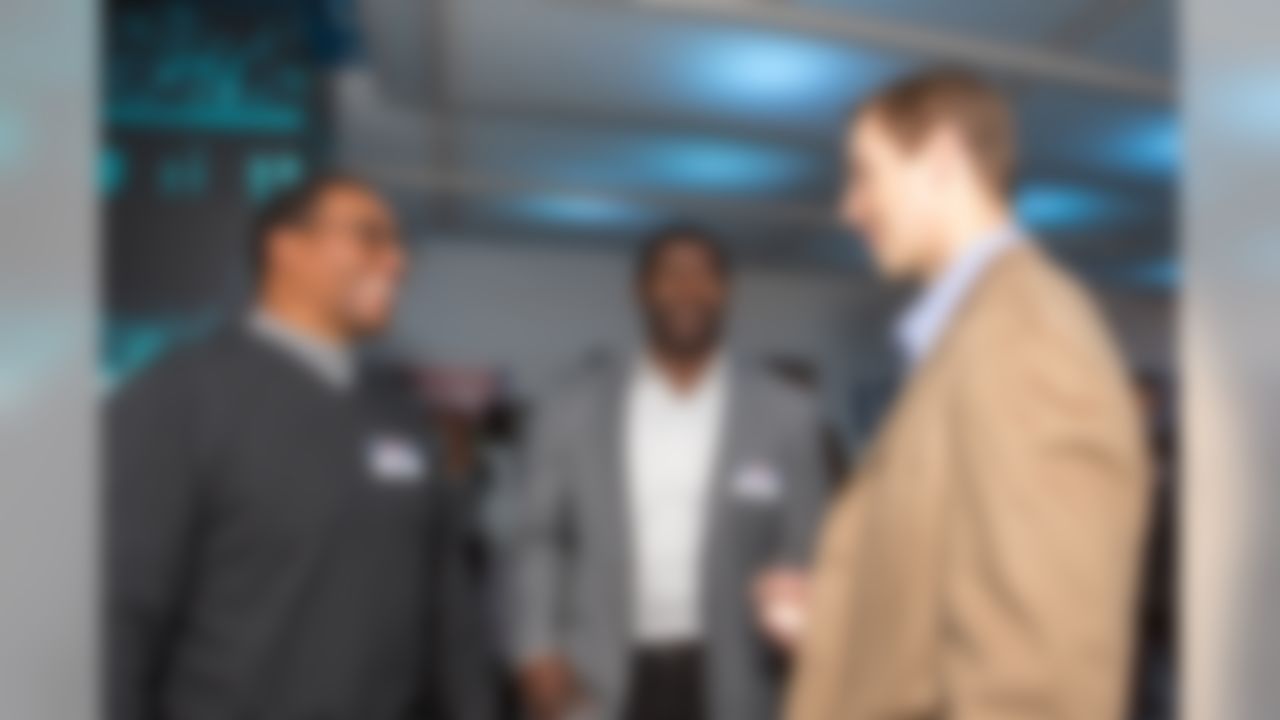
[(782, 605), (548, 687)]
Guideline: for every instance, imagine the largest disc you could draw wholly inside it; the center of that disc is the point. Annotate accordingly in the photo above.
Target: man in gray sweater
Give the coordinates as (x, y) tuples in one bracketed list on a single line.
[(268, 516)]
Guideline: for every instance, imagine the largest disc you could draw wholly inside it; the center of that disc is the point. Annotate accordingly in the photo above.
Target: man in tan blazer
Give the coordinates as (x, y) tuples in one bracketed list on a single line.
[(983, 562)]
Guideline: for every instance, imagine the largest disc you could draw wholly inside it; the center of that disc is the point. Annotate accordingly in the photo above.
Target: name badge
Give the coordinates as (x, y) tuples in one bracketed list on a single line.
[(396, 460), (758, 483)]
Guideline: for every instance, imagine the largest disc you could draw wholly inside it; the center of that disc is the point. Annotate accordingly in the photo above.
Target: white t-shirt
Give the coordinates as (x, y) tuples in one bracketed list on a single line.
[(673, 439)]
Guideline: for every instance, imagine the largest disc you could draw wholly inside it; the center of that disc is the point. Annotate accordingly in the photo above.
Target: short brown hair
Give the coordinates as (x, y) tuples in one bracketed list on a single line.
[(915, 106)]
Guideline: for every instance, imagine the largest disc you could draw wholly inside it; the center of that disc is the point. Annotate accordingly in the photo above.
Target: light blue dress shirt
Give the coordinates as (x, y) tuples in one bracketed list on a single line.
[(927, 318)]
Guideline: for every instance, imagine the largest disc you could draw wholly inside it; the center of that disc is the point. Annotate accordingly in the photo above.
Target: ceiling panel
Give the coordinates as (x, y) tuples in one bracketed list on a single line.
[(1076, 131), (542, 54), (634, 158), (1144, 38), (1019, 21), (574, 122)]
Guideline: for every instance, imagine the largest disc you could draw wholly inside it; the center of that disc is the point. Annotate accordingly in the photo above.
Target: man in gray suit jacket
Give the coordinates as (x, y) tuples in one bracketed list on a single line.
[(659, 493)]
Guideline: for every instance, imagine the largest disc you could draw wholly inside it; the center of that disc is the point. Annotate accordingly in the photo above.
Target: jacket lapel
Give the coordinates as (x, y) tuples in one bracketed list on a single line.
[(734, 444), (921, 376)]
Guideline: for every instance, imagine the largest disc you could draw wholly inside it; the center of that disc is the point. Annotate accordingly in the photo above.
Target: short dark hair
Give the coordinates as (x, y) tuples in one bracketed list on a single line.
[(683, 233), (916, 105), (291, 208)]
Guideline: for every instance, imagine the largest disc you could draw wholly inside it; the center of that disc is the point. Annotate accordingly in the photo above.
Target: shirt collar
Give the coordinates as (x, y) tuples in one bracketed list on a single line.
[(710, 383), (332, 362), (928, 316)]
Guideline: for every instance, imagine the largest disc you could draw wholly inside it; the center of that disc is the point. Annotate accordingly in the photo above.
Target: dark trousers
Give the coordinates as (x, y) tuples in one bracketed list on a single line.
[(667, 683)]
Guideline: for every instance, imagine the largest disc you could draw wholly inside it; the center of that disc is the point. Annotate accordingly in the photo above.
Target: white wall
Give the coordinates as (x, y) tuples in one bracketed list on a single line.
[(531, 312)]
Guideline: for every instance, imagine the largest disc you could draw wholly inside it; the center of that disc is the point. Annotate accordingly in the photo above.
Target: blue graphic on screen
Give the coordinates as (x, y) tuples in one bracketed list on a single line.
[(175, 66), (184, 174), (207, 95), (265, 174), (210, 106)]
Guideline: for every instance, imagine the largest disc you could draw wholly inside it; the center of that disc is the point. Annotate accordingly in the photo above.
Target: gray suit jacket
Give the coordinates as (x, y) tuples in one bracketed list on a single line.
[(571, 557)]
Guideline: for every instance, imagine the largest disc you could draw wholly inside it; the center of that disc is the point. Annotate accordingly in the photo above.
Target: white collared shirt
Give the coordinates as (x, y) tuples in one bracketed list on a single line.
[(332, 362), (672, 439), (927, 318)]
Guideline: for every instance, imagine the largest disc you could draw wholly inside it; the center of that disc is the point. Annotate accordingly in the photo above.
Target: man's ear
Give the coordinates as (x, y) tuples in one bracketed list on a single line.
[(948, 155)]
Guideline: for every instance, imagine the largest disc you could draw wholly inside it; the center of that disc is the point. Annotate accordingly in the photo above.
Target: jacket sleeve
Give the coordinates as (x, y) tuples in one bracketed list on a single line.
[(150, 507), (806, 487), (1045, 533), (538, 551)]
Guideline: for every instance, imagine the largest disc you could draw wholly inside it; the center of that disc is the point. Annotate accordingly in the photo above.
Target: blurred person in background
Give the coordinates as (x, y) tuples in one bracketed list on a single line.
[(267, 515), (469, 623), (659, 490), (1157, 662), (984, 563)]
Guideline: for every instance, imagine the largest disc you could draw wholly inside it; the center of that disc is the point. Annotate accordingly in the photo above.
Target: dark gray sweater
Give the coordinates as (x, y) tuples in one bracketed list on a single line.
[(268, 542)]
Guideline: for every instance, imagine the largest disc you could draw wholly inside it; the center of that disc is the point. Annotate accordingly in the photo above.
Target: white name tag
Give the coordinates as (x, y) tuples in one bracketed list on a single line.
[(396, 460), (758, 482)]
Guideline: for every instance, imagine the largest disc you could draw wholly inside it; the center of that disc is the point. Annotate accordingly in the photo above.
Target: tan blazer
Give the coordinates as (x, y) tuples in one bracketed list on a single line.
[(983, 562)]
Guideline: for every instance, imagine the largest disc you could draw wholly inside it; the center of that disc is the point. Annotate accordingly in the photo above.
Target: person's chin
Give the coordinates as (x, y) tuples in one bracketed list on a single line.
[(371, 323), (695, 347)]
